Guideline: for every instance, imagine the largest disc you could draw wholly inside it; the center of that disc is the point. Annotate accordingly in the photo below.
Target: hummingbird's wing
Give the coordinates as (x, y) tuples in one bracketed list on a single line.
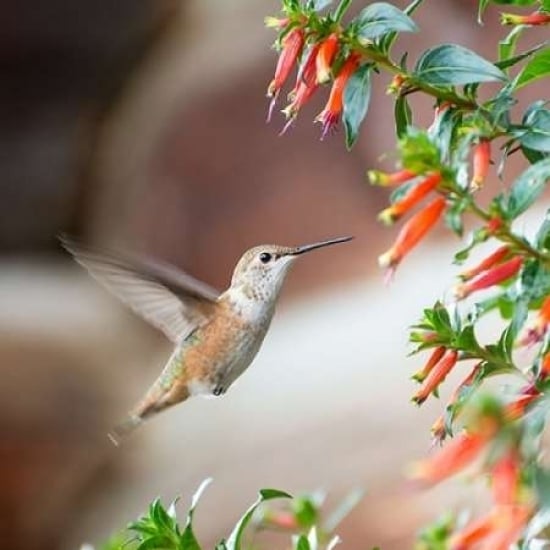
[(164, 296)]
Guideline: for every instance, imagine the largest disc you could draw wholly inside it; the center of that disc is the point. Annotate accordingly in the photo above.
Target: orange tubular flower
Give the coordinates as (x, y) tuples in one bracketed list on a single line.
[(438, 373), (390, 180), (330, 115), (493, 225), (494, 276), (412, 233), (325, 57), (413, 196), (293, 43), (481, 161), (498, 530), (536, 18), (517, 408), (450, 459), (304, 88), (436, 355), (495, 258), (505, 478)]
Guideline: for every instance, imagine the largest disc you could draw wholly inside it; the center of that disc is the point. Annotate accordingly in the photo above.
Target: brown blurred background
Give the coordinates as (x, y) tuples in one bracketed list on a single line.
[(141, 124)]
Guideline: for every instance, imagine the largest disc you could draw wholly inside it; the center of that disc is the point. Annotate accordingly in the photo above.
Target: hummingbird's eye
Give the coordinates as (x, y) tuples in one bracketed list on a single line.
[(265, 257)]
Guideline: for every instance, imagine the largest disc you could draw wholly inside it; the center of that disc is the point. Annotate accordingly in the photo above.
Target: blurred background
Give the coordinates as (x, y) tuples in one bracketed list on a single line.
[(140, 124)]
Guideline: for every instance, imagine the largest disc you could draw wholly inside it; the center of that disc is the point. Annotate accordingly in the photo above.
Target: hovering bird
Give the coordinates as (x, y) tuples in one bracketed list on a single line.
[(215, 336)]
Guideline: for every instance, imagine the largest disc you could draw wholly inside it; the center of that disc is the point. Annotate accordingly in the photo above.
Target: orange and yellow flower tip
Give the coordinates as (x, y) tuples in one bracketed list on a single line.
[(389, 180), (536, 18), (436, 376), (276, 22), (545, 366), (292, 46), (325, 56), (412, 233), (330, 115), (517, 408), (412, 197), (489, 278), (396, 84), (496, 257), (450, 459), (438, 430), (434, 358), (481, 162)]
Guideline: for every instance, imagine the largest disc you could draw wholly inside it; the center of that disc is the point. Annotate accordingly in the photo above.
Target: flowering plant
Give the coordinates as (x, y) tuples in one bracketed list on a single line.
[(440, 171)]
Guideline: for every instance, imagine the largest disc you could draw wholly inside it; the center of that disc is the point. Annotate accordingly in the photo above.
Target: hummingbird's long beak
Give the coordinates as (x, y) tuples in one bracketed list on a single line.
[(309, 247)]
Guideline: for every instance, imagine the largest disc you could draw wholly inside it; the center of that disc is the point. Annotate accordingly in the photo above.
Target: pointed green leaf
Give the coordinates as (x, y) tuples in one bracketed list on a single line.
[(450, 64), (535, 131), (380, 18), (301, 543), (537, 67), (526, 189), (403, 115), (235, 538), (386, 41), (356, 102)]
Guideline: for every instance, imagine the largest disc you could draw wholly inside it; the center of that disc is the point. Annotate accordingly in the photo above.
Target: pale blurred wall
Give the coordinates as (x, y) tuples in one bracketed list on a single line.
[(164, 148)]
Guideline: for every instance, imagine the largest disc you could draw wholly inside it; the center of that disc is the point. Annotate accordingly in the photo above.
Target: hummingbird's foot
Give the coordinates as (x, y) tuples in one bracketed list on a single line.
[(218, 390)]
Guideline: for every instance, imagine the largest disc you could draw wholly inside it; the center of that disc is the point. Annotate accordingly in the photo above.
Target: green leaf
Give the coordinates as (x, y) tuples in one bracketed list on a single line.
[(319, 5), (386, 41), (301, 543), (305, 511), (542, 487), (381, 18), (235, 538), (188, 539), (535, 131), (450, 64), (542, 239), (481, 9), (418, 152), (526, 189), (403, 115), (356, 102), (537, 67), (534, 281), (510, 61), (507, 47)]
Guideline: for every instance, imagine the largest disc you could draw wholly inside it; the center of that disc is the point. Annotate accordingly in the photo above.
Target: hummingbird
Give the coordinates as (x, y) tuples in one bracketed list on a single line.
[(215, 335)]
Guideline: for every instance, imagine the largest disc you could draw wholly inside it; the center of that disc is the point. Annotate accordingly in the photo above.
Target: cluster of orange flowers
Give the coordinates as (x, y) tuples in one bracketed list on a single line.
[(315, 70)]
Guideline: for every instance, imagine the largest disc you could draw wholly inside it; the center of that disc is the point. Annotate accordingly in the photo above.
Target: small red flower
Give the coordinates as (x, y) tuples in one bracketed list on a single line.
[(293, 43), (517, 408), (496, 257), (390, 180), (536, 18), (411, 198), (489, 278), (304, 88), (437, 374), (434, 358), (330, 115), (323, 62), (481, 162), (412, 233)]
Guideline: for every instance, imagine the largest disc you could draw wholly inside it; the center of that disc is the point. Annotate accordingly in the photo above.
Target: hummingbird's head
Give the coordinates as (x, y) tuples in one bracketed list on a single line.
[(261, 270)]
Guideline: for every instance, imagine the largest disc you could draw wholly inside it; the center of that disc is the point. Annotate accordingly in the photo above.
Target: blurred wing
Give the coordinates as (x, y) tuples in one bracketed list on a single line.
[(167, 298)]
